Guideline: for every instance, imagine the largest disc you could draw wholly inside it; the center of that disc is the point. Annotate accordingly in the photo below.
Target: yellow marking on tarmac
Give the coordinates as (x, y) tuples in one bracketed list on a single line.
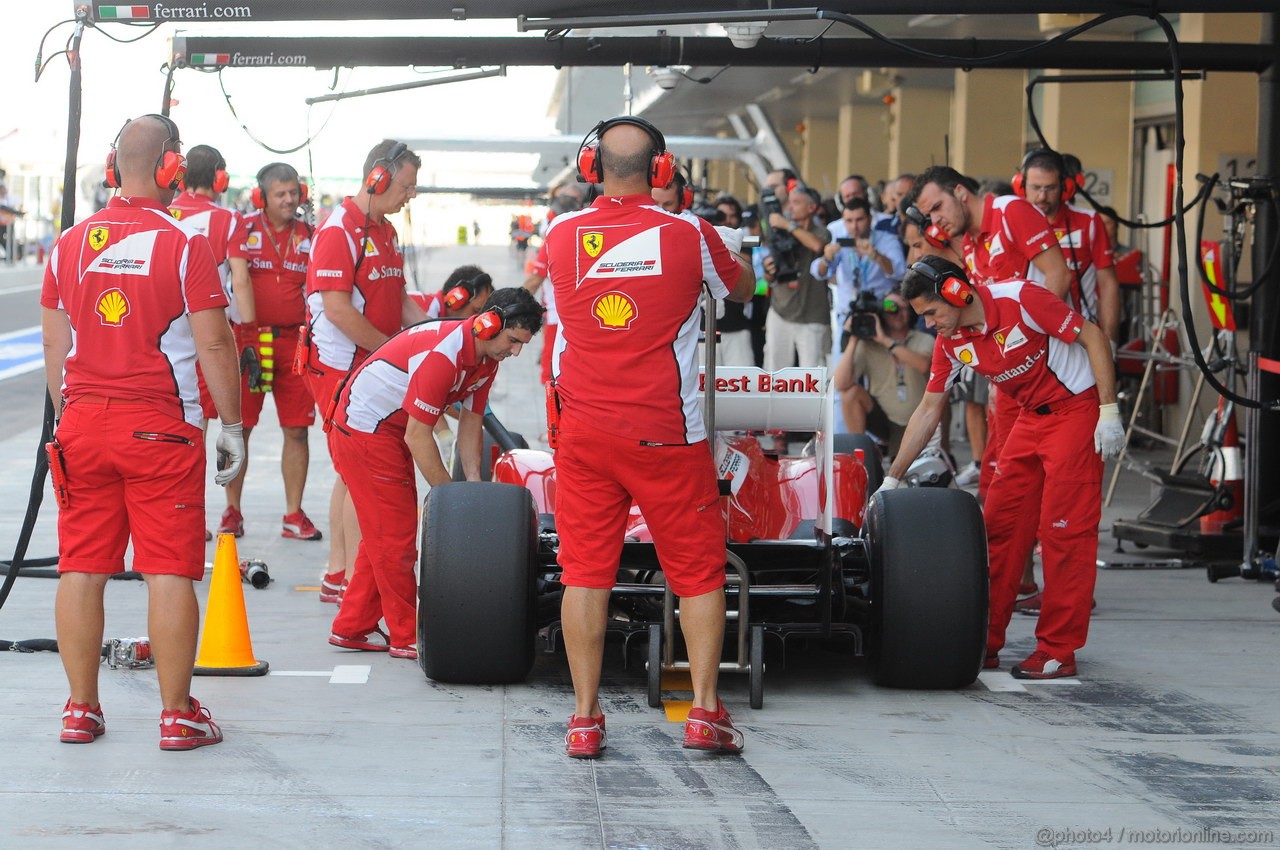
[(677, 709), (306, 588), (676, 680)]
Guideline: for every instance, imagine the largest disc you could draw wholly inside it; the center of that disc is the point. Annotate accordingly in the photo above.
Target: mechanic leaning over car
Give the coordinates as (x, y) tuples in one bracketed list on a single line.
[(140, 297), (355, 300), (627, 277), (1057, 368), (382, 427)]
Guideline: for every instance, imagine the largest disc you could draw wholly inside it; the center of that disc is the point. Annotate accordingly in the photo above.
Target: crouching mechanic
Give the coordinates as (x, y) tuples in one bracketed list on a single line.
[(132, 300), (381, 428), (1057, 367), (627, 277)]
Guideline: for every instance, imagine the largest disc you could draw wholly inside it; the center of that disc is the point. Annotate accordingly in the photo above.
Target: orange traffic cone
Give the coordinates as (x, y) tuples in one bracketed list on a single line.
[(225, 647), (1226, 470)]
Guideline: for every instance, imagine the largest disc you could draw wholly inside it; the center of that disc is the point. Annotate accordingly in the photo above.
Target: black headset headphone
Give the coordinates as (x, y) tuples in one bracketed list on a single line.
[(1069, 180), (378, 180), (171, 166), (662, 163), (461, 293), (951, 287), (259, 195), (490, 322)]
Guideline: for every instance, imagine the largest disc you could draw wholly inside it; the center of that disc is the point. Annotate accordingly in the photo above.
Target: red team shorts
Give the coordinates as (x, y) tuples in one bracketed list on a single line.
[(132, 471), (295, 406), (323, 383), (597, 477)]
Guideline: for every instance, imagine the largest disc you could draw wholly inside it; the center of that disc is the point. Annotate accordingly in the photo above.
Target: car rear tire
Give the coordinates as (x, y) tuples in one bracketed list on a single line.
[(476, 598), (871, 459), (928, 557)]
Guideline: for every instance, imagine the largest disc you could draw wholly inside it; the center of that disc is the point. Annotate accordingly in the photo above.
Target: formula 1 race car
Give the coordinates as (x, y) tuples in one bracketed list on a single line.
[(903, 578)]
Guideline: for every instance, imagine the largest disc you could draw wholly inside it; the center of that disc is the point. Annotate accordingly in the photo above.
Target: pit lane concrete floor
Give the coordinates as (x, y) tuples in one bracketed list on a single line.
[(1168, 735)]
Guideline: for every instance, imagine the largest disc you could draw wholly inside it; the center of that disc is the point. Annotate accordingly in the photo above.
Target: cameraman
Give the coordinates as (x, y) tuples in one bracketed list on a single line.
[(861, 259), (798, 328), (894, 358)]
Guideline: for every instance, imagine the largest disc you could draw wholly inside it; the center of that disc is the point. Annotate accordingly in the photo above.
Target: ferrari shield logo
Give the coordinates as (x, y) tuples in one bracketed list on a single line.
[(593, 243), (98, 237)]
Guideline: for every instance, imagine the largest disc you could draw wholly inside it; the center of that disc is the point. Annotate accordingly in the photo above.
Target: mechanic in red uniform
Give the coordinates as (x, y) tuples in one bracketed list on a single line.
[(356, 300), (465, 292), (1023, 338), (382, 427), (131, 301), (627, 277), (270, 250), (1004, 237)]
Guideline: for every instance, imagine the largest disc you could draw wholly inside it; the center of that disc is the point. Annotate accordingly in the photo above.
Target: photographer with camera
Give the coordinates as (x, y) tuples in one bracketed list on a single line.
[(798, 328), (880, 344), (861, 259)]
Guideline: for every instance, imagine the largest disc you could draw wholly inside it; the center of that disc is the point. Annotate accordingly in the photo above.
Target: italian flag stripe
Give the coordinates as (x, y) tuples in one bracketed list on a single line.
[(210, 58), (123, 13)]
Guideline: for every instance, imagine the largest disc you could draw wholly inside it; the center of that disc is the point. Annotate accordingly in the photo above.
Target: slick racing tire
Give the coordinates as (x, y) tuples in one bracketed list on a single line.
[(476, 597), (928, 554)]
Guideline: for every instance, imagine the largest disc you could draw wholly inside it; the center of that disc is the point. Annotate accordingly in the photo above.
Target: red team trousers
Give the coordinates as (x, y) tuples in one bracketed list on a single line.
[(1048, 485), (378, 470)]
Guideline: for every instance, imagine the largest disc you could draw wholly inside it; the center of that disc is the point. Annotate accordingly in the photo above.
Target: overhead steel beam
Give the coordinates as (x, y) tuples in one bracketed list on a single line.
[(234, 11), (402, 51)]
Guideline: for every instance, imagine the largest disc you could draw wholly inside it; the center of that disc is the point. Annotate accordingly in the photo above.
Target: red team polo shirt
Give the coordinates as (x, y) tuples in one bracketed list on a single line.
[(1013, 233), (378, 287), (1025, 347), (219, 225), (126, 277), (416, 373), (277, 266), (548, 289), (1086, 248), (627, 276)]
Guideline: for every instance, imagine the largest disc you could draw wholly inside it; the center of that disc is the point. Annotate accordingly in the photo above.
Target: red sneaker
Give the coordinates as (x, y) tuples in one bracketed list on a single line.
[(232, 522), (586, 737), (332, 587), (991, 662), (1029, 605), (81, 724), (707, 731), (375, 641), (1025, 590), (298, 526), (409, 652), (186, 730), (1042, 665)]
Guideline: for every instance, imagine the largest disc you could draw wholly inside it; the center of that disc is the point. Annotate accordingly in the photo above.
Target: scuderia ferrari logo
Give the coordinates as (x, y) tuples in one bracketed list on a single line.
[(98, 237), (593, 243)]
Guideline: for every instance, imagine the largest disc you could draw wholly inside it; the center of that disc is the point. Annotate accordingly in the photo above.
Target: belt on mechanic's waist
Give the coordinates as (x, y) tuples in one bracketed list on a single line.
[(283, 330), (102, 399)]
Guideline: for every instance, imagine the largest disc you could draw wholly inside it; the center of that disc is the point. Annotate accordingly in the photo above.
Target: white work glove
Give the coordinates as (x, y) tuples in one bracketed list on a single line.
[(732, 238), (1108, 437), (890, 483), (230, 453)]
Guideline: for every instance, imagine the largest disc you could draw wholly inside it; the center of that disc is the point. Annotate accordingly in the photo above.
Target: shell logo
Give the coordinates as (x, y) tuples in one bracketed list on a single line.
[(615, 311), (966, 357), (113, 306)]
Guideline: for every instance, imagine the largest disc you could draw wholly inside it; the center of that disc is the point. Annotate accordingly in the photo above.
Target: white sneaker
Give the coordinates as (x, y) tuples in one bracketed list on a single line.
[(968, 476)]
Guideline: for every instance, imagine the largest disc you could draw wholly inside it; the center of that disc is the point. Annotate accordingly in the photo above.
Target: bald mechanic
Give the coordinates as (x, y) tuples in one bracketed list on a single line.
[(1056, 366), (356, 301), (1003, 237), (131, 301), (627, 277)]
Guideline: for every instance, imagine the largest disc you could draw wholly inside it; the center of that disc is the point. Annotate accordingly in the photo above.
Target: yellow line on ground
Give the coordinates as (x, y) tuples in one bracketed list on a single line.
[(307, 588), (677, 709)]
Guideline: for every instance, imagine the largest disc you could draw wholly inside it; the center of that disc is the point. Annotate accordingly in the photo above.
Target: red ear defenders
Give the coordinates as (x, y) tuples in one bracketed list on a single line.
[(1070, 181), (464, 290), (662, 163), (951, 288), (932, 234), (171, 166), (379, 178), (221, 180), (490, 322), (259, 196)]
